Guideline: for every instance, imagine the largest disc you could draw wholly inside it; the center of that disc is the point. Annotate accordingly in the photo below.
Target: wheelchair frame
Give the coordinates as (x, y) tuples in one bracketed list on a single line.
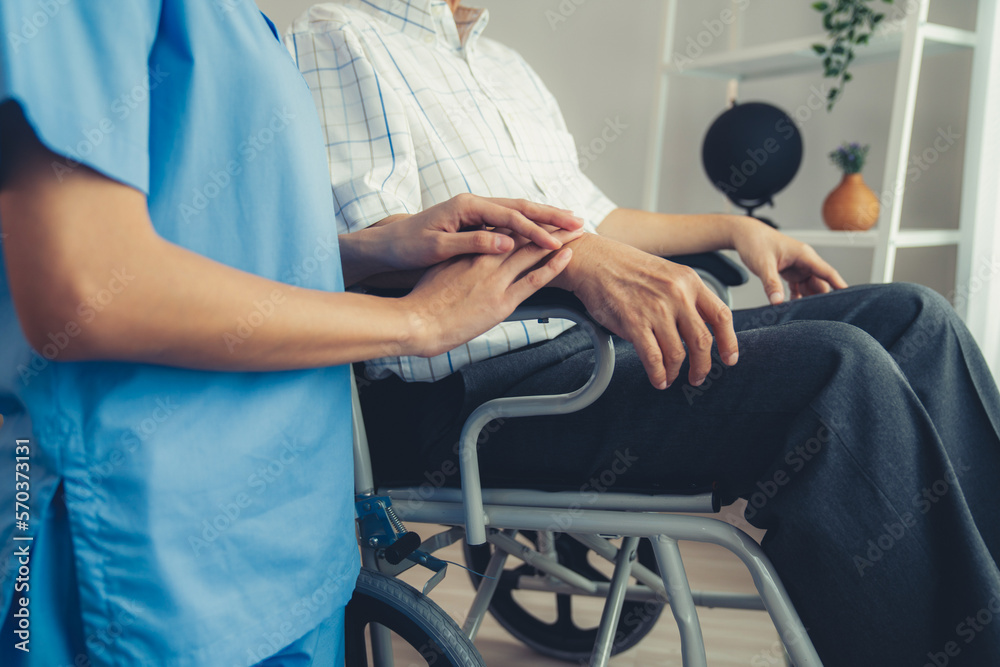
[(471, 510)]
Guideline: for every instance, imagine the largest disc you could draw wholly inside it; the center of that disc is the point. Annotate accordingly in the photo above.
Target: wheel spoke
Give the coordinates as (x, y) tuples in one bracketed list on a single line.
[(355, 645), (563, 638), (574, 556), (564, 614), (391, 606)]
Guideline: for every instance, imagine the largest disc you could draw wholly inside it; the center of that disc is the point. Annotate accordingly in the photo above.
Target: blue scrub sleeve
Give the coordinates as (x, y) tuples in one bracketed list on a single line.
[(79, 70)]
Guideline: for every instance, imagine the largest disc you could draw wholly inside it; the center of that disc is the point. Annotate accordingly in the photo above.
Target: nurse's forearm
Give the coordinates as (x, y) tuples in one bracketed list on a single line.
[(146, 300), (91, 279), (184, 310), (672, 234)]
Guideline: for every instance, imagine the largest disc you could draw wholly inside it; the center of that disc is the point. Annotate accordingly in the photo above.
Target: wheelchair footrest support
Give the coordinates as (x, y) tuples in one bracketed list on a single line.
[(487, 587), (668, 556), (613, 606)]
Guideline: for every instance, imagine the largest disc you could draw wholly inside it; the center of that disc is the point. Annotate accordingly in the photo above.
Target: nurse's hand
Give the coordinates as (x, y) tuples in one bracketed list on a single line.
[(461, 298), (407, 242)]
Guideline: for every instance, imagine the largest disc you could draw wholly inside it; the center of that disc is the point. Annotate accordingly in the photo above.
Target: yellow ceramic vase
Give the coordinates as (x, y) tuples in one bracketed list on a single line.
[(852, 206)]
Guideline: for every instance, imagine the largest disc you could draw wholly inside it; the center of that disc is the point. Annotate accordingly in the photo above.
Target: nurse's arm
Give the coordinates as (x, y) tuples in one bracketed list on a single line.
[(92, 280)]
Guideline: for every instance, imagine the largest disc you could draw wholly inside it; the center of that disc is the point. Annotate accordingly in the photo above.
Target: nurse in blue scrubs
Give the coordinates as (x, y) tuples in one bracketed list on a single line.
[(174, 334)]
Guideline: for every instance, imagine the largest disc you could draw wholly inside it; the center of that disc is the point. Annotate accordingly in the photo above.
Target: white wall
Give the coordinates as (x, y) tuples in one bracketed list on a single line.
[(599, 58), (990, 337), (283, 12)]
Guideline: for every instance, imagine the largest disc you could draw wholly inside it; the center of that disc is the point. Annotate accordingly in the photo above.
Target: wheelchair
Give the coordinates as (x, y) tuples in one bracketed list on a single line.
[(560, 532)]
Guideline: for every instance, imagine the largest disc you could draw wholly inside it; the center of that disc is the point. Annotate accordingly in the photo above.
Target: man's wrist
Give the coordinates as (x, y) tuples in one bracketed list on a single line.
[(574, 274), (352, 260), (365, 253), (737, 227)]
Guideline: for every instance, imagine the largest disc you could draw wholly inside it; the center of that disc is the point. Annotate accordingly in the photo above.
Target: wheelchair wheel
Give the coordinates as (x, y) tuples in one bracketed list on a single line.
[(564, 638), (433, 637)]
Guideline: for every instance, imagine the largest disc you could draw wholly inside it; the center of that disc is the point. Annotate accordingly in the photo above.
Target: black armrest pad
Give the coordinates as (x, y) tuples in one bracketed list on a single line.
[(547, 296), (388, 292), (724, 269), (553, 296)]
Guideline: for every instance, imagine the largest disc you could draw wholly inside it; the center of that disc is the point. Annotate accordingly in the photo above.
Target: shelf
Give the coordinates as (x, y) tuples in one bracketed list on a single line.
[(913, 238), (797, 56), (903, 45), (823, 238), (926, 238)]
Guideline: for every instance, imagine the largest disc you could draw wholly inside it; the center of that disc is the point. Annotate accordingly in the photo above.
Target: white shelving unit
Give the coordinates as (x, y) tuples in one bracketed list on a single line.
[(908, 41)]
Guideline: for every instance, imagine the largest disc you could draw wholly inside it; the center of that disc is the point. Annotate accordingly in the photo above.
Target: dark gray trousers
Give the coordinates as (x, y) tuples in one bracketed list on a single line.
[(862, 426)]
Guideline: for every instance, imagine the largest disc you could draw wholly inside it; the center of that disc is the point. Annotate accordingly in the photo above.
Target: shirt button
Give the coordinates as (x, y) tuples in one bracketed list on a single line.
[(428, 39), (438, 10)]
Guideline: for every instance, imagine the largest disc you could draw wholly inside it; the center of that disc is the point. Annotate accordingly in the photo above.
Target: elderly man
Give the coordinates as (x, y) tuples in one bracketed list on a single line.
[(847, 405)]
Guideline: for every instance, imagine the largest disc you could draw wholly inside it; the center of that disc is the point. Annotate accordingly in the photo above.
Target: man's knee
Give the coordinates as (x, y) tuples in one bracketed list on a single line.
[(838, 345), (918, 299), (922, 295)]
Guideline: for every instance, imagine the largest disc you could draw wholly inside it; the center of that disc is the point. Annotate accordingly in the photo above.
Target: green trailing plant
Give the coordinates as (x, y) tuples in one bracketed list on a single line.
[(850, 157), (849, 24)]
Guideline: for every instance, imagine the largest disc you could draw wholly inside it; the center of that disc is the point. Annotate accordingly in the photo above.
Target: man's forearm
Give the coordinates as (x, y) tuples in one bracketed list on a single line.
[(672, 234)]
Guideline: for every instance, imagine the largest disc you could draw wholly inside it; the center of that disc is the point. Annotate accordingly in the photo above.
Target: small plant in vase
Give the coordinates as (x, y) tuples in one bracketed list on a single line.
[(852, 206)]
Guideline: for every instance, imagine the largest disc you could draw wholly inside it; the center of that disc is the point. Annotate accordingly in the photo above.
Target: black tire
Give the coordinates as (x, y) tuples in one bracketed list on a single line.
[(564, 639), (414, 617)]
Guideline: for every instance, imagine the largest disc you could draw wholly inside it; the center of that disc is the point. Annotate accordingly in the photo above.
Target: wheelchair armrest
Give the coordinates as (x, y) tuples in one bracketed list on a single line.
[(555, 298), (547, 303), (547, 296), (725, 270)]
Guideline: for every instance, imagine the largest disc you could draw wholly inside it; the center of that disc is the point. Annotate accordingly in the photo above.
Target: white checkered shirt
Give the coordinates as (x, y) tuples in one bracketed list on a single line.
[(416, 109)]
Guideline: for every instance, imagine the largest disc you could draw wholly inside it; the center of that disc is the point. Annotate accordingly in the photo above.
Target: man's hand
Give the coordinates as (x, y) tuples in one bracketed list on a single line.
[(401, 243), (461, 298), (772, 256), (656, 305)]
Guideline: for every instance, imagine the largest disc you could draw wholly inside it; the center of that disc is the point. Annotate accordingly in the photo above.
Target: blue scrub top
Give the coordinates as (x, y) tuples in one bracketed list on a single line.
[(213, 509)]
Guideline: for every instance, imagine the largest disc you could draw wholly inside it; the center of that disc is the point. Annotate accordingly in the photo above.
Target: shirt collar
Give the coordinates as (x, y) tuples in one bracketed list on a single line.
[(431, 18)]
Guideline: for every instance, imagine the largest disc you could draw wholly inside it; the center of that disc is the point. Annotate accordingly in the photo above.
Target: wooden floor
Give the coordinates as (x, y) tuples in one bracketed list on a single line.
[(733, 638)]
